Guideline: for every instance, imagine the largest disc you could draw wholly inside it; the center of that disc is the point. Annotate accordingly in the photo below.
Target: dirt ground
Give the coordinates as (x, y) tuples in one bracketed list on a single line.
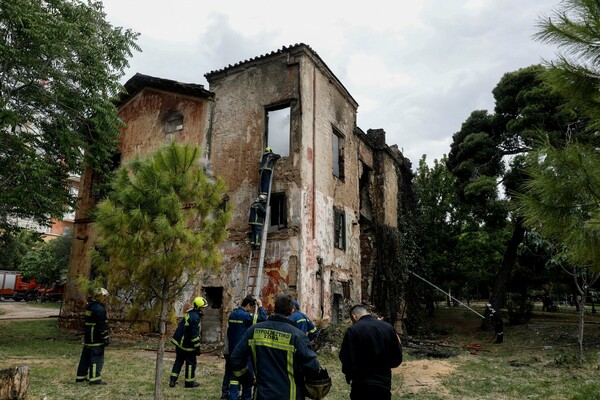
[(10, 309), (424, 374)]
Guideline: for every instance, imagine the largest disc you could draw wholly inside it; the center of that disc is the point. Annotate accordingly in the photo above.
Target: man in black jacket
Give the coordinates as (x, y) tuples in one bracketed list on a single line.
[(371, 348), (94, 340)]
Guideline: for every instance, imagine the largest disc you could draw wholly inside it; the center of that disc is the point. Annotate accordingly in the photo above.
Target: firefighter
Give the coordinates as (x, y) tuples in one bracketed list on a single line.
[(249, 313), (187, 344), (498, 324), (256, 219), (303, 322), (267, 163), (281, 356), (95, 339)]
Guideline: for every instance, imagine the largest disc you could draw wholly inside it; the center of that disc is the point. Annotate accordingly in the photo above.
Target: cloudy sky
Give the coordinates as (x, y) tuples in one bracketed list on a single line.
[(417, 68)]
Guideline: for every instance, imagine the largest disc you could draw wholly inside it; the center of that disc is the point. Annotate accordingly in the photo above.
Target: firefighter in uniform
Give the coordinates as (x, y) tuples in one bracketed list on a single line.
[(239, 321), (94, 340), (281, 356), (303, 322), (256, 220), (267, 163), (187, 344)]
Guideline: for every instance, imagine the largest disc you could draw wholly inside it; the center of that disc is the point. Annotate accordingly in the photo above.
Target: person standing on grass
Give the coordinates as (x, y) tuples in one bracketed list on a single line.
[(249, 313), (498, 324), (187, 344), (370, 349), (304, 323), (95, 339), (280, 355)]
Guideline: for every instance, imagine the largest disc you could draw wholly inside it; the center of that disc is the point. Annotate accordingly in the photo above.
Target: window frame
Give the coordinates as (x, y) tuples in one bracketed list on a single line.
[(339, 229), (337, 158), (277, 148)]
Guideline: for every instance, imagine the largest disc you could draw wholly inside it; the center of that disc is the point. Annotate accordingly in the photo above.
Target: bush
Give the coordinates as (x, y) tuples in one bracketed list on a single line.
[(519, 309)]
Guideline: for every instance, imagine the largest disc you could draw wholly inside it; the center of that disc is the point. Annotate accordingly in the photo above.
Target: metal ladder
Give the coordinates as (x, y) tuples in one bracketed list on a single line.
[(254, 273)]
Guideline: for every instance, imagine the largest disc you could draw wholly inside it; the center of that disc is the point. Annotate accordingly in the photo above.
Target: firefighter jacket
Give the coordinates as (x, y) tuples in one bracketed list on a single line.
[(187, 334), (304, 324), (96, 325), (281, 358), (370, 350), (239, 321), (257, 213), (267, 161)]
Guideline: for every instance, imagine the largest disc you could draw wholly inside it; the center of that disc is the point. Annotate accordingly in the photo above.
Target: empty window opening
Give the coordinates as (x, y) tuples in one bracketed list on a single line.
[(174, 122), (278, 130), (337, 148), (339, 229), (278, 205), (214, 296)]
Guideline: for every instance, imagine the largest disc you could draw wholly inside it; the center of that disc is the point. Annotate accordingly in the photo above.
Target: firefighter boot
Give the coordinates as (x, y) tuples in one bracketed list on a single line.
[(191, 384), (172, 382)]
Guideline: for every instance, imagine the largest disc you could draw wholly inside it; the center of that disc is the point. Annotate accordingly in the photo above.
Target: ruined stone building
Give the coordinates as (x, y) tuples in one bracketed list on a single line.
[(332, 182)]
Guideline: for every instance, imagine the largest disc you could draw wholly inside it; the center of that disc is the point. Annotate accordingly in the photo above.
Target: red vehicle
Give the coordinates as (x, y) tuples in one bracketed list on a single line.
[(54, 292), (12, 285)]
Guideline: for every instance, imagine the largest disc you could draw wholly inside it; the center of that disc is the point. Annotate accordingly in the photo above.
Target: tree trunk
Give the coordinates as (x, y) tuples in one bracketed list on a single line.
[(581, 325), (161, 349), (14, 383), (508, 261)]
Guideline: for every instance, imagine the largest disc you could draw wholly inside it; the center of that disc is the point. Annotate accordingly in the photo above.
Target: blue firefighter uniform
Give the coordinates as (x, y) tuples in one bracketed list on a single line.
[(239, 321), (256, 220), (265, 169), (95, 339), (304, 324), (187, 341), (281, 358)]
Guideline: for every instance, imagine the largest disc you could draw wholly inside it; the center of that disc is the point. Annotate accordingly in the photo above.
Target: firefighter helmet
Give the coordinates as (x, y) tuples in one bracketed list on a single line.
[(200, 302), (262, 198), (101, 292), (268, 149), (318, 386)]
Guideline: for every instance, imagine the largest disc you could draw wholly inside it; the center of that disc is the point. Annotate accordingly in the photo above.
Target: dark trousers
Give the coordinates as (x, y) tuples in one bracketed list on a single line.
[(370, 392), (187, 357), (265, 181), (90, 364), (255, 236), (231, 386)]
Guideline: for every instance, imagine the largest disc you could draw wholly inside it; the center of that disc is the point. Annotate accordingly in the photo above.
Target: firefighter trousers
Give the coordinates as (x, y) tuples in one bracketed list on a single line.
[(187, 357), (90, 364)]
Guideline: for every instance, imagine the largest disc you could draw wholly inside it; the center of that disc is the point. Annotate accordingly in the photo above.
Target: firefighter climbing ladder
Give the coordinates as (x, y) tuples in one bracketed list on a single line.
[(254, 272)]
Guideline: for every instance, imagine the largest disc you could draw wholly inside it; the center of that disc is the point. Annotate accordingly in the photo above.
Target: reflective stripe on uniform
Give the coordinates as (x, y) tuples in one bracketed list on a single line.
[(276, 340)]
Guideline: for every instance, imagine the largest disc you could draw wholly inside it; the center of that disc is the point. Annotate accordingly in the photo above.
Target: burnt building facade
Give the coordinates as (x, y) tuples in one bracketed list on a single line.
[(332, 182)]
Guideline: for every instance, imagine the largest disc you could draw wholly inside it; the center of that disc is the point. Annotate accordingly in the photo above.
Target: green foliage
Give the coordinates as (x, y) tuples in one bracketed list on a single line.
[(14, 244), (519, 309), (48, 262), (60, 70), (160, 226), (574, 27), (562, 200)]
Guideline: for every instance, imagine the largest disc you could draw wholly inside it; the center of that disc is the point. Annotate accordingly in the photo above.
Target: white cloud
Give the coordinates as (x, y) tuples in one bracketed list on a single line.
[(417, 68)]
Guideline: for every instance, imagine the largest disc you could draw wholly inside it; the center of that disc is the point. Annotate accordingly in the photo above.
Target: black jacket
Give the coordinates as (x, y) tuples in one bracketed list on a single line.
[(281, 358), (96, 324), (370, 350), (187, 334)]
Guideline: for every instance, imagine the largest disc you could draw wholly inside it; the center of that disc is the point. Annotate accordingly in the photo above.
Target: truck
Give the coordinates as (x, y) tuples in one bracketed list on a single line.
[(13, 286)]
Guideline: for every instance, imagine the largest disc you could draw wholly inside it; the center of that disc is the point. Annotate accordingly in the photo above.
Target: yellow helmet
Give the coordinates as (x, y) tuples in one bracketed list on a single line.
[(200, 302), (268, 149)]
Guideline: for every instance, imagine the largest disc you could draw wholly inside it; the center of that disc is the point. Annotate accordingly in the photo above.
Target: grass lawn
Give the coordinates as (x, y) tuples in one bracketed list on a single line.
[(537, 361)]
